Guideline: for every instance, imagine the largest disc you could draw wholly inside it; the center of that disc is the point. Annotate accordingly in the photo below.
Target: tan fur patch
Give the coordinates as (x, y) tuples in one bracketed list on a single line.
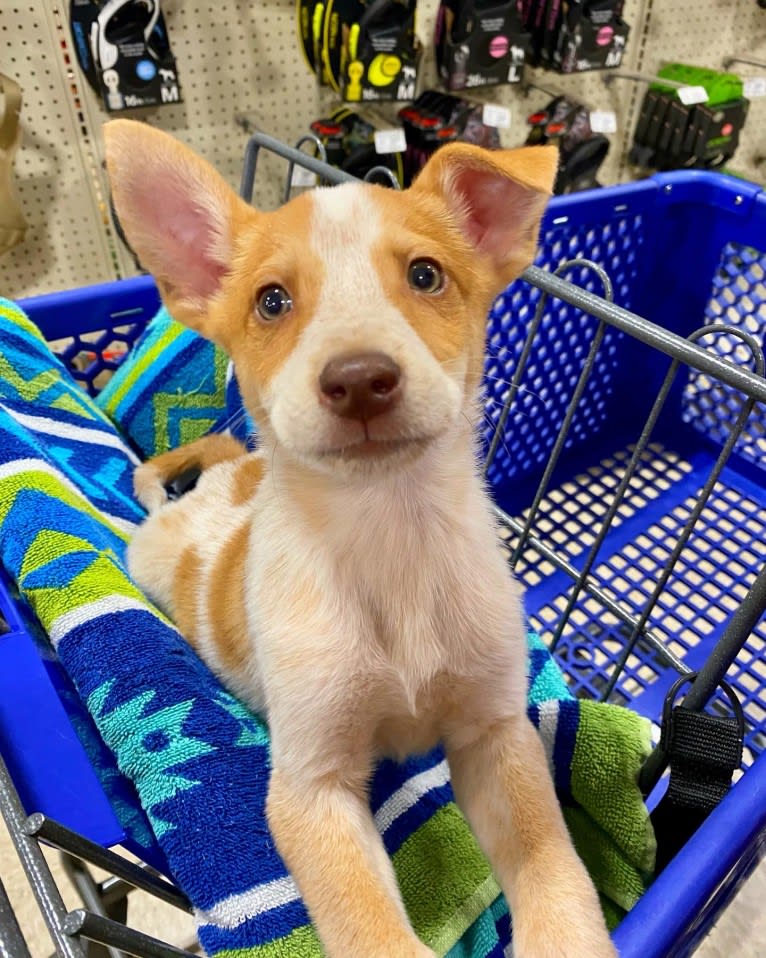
[(246, 480), (200, 454), (186, 587), (272, 251), (417, 226), (226, 602)]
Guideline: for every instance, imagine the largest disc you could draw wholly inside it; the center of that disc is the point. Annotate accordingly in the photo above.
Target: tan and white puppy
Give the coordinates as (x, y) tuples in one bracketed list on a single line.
[(347, 579)]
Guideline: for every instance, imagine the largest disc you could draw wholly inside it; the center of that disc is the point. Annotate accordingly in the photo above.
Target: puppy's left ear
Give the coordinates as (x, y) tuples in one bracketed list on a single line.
[(497, 197)]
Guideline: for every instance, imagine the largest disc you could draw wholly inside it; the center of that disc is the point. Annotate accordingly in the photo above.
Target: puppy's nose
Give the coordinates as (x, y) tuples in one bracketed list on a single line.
[(360, 386)]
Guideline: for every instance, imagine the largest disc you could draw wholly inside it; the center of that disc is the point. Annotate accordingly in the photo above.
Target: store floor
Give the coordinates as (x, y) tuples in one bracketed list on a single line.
[(741, 931)]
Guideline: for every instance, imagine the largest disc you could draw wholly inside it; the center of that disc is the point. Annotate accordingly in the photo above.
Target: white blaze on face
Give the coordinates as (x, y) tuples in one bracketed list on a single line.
[(353, 315)]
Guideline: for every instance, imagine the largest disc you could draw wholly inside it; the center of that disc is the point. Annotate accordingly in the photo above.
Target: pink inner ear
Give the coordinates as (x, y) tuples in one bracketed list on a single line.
[(176, 229), (497, 210)]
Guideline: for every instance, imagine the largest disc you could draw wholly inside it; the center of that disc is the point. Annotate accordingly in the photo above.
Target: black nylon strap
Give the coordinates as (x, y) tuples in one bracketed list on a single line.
[(704, 751)]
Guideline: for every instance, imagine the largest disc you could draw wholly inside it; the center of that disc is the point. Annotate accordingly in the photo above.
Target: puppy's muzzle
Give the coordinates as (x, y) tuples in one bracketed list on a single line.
[(361, 386)]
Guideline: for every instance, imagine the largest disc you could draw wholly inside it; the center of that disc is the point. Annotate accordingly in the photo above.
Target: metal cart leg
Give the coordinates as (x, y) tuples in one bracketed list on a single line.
[(38, 874), (12, 944)]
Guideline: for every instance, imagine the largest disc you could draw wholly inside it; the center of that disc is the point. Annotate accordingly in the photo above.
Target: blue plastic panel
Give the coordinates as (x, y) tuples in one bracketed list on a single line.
[(738, 299), (92, 328)]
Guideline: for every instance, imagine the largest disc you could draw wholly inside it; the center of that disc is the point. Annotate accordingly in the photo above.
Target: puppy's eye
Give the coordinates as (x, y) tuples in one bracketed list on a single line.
[(425, 276), (273, 302)]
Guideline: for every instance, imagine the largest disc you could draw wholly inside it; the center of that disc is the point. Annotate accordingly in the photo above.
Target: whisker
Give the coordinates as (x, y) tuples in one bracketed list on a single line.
[(492, 427), (520, 388), (234, 420), (491, 401)]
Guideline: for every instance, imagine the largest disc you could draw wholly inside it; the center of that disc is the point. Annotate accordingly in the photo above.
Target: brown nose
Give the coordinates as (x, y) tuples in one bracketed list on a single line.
[(361, 386)]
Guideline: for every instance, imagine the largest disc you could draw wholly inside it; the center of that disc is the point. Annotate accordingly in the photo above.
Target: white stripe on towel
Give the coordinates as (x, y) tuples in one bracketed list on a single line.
[(237, 909), (65, 430), (64, 624), (15, 466), (408, 795), (549, 721)]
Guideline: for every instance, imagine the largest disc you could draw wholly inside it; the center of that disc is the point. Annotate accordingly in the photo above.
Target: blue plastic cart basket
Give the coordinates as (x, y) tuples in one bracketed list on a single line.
[(592, 506)]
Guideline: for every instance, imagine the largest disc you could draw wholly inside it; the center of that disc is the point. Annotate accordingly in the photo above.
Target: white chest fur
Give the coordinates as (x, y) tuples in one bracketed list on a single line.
[(394, 592)]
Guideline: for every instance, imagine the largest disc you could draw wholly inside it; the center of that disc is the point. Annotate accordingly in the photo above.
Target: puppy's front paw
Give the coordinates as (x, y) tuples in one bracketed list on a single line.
[(148, 487), (576, 937), (419, 951)]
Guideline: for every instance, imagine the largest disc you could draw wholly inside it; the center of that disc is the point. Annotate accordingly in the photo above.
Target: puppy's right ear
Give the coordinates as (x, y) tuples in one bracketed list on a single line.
[(177, 213)]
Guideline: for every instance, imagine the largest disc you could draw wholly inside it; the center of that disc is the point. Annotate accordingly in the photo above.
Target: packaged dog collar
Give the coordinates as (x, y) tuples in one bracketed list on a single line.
[(436, 118), (479, 43), (369, 49), (566, 123), (671, 134), (593, 36), (310, 33), (572, 36), (123, 50), (348, 137)]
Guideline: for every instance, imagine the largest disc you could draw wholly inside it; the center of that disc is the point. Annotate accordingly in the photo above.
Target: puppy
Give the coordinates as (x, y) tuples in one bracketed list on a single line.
[(347, 580)]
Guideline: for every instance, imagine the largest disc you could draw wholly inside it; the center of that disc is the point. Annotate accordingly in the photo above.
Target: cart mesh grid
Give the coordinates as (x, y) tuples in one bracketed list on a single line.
[(636, 548)]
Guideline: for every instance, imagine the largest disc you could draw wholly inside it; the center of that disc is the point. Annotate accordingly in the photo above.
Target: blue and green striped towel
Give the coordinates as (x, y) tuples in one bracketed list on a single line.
[(199, 761), (173, 387)]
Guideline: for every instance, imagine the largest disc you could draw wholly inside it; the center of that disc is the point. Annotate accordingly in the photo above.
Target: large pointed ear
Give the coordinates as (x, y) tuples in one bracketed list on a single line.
[(497, 196), (177, 213)]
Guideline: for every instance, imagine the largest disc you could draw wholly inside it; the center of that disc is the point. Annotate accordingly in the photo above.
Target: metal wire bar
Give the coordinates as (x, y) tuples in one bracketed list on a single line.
[(701, 502), (12, 944), (36, 868), (112, 888), (107, 932), (521, 366), (738, 629), (384, 173), (90, 894), (574, 403), (527, 349), (318, 146), (592, 589), (65, 839), (259, 141), (641, 78), (750, 61), (617, 499), (667, 342)]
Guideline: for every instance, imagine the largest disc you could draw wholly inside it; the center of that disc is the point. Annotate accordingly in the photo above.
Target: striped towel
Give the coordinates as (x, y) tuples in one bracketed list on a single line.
[(173, 387), (198, 761)]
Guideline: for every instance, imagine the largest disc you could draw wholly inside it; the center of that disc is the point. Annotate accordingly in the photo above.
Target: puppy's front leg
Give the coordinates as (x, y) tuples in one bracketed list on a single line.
[(502, 783), (326, 835)]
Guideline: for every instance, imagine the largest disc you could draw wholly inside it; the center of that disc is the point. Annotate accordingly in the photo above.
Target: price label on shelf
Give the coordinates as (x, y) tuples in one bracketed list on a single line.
[(390, 141), (495, 115), (603, 121), (689, 95), (303, 177), (754, 87)]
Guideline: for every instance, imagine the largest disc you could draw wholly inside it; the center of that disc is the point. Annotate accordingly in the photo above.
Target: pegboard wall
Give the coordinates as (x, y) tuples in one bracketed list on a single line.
[(241, 57)]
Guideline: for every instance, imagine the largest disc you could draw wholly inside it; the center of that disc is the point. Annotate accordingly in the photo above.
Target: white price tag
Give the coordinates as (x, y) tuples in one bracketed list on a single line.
[(603, 121), (303, 177), (754, 87), (689, 95), (390, 141), (495, 115)]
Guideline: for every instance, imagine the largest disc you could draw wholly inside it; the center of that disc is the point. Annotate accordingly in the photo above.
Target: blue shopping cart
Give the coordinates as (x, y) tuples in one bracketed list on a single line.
[(626, 450)]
